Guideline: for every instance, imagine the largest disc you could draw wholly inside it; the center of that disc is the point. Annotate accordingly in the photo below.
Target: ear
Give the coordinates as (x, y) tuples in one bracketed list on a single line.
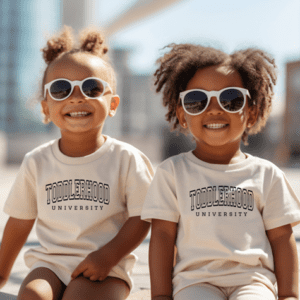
[(252, 117), (45, 108), (181, 116), (114, 103)]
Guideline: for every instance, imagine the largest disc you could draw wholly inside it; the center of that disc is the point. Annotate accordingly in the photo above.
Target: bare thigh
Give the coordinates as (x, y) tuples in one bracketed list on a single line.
[(82, 288), (41, 284)]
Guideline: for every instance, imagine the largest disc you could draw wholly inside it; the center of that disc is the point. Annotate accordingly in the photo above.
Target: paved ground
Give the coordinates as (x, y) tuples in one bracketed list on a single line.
[(140, 272)]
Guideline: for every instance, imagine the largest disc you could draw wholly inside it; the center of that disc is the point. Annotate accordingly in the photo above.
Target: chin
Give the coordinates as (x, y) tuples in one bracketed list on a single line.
[(217, 143)]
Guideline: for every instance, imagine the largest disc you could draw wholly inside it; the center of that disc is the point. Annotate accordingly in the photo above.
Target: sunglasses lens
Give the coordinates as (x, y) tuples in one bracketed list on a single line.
[(195, 102), (232, 100), (93, 88), (60, 89)]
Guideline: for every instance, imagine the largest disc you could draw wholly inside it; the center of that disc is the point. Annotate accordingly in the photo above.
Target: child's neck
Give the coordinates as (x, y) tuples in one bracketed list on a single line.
[(77, 145), (217, 155)]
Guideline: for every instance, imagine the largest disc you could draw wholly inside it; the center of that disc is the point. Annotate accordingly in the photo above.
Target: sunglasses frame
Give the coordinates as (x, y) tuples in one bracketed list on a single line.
[(73, 84), (216, 94)]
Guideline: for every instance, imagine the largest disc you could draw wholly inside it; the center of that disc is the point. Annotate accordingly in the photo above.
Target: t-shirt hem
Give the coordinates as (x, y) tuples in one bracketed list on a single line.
[(161, 215), (292, 219), (135, 212), (18, 214), (65, 277)]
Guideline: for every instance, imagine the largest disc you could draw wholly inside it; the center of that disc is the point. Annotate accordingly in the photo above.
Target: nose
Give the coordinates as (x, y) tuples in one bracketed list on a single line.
[(76, 96), (214, 108)]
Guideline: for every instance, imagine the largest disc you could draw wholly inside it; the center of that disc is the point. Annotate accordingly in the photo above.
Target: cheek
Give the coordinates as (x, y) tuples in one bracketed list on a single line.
[(192, 119), (102, 106), (190, 122), (54, 109), (242, 116), (194, 124)]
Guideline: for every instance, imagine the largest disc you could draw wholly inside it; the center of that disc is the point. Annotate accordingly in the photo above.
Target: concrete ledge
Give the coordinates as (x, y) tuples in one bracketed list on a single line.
[(4, 296), (141, 295)]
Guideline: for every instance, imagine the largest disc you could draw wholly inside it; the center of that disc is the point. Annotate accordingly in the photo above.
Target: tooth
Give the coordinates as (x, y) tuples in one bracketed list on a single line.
[(79, 113), (215, 126)]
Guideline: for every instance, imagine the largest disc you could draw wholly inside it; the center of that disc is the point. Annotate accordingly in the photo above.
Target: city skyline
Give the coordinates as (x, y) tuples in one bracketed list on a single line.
[(273, 26)]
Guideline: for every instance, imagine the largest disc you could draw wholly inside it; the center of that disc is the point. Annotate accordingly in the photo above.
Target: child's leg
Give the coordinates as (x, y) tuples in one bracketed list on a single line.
[(82, 288), (41, 284), (254, 291), (202, 291)]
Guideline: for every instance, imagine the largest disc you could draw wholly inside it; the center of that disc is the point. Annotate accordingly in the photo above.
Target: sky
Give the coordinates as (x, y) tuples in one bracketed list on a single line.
[(271, 25)]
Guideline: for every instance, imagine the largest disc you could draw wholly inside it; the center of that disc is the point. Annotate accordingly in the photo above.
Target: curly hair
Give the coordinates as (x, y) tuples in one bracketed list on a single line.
[(91, 42), (178, 66)]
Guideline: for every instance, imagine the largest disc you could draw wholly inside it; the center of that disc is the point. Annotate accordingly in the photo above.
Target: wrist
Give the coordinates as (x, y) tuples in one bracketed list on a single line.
[(162, 298), (109, 254)]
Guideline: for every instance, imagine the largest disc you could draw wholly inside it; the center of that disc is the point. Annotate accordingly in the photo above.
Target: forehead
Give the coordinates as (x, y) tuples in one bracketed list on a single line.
[(77, 67), (215, 78)]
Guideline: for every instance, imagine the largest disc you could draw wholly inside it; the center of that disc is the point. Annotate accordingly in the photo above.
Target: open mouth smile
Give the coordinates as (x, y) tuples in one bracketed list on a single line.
[(215, 126), (78, 114)]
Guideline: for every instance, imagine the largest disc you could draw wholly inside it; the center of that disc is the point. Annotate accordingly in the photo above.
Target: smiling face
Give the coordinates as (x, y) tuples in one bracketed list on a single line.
[(215, 130), (78, 113)]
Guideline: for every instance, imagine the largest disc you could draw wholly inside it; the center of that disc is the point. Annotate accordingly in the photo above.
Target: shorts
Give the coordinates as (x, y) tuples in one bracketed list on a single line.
[(204, 291)]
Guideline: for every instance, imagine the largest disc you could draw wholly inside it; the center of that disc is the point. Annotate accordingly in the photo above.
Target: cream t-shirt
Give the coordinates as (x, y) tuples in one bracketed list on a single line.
[(80, 203), (223, 212)]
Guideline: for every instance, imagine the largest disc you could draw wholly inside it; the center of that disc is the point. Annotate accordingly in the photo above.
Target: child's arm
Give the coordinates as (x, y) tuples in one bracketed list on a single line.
[(161, 258), (14, 237), (285, 261), (98, 264)]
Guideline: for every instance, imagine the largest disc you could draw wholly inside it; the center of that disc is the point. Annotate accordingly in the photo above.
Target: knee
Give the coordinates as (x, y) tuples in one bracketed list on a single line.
[(27, 294)]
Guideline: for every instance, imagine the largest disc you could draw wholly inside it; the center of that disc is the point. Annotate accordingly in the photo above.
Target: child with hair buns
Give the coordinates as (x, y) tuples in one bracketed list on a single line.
[(85, 190), (229, 214)]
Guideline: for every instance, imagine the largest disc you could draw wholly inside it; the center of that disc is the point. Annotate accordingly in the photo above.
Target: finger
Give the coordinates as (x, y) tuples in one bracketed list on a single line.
[(79, 269), (93, 278), (88, 273), (101, 278)]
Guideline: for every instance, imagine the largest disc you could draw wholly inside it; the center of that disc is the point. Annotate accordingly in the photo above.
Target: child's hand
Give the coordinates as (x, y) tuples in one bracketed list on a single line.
[(98, 264), (95, 266)]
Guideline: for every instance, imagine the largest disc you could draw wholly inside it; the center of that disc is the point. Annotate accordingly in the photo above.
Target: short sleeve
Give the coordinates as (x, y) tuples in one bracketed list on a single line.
[(161, 200), (138, 180), (282, 205), (21, 202)]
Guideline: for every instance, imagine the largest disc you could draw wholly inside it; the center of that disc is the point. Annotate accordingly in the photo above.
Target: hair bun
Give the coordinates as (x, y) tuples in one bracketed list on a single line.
[(93, 41), (61, 43)]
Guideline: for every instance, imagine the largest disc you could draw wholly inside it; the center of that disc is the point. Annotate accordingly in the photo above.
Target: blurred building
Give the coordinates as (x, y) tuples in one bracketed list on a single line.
[(140, 117), (78, 13), (264, 143), (288, 151), (22, 35), (21, 31)]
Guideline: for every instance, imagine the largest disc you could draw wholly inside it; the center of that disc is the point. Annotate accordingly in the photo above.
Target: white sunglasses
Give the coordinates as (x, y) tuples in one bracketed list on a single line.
[(231, 99), (61, 88)]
